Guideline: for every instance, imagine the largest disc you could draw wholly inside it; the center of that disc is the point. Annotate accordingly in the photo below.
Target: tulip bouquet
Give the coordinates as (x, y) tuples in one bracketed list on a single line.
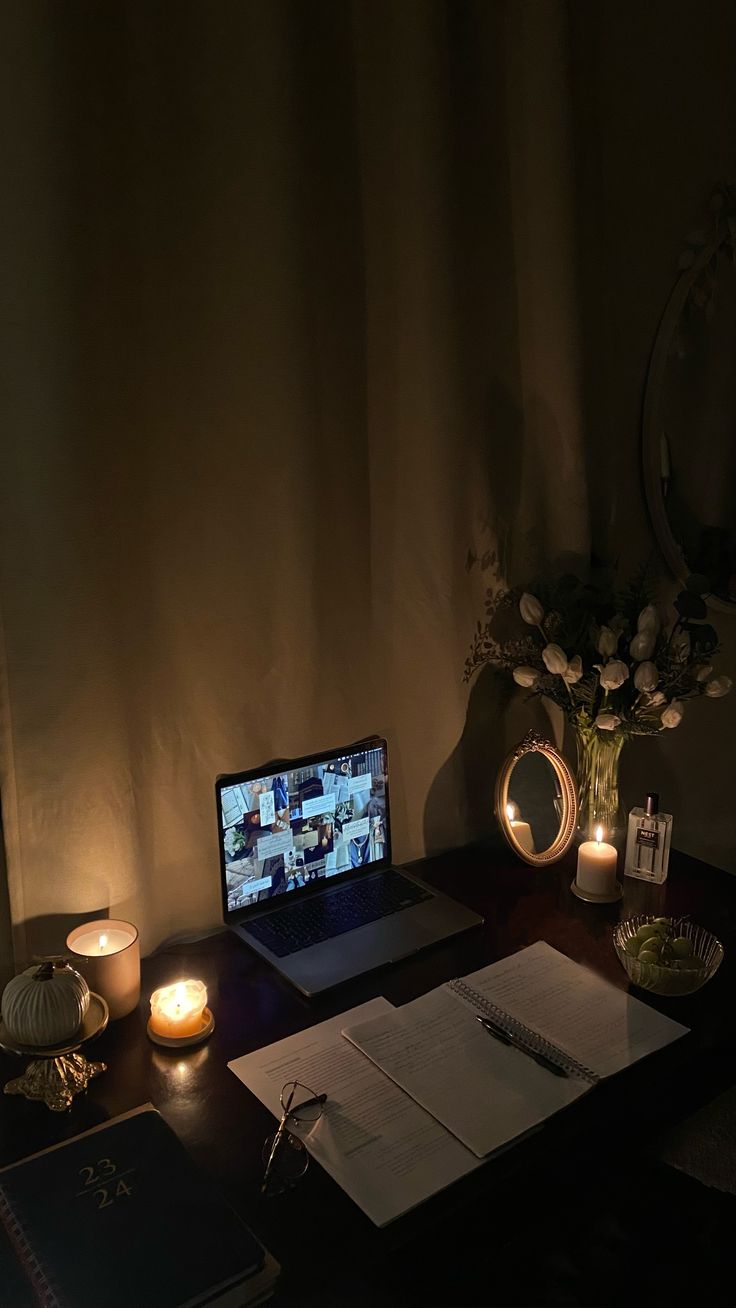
[(609, 660), (615, 666)]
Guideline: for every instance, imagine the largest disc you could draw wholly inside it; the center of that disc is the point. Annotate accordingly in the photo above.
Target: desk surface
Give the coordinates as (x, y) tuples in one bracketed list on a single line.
[(323, 1241)]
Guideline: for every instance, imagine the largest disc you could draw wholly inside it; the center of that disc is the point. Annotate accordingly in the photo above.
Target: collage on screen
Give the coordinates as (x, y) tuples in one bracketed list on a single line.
[(288, 829)]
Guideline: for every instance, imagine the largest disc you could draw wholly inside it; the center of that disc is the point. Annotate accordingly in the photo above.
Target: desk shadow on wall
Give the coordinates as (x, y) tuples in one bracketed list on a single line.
[(46, 935), (7, 968), (460, 804)]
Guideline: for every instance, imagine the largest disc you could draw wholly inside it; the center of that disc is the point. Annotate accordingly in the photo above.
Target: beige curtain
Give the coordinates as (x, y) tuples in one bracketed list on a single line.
[(290, 332)]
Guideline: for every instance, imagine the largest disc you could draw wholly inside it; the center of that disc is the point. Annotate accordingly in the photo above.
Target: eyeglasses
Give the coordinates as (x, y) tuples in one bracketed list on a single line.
[(284, 1154)]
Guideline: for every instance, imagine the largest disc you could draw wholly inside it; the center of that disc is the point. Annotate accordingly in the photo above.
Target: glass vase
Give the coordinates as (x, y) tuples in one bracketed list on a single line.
[(599, 753)]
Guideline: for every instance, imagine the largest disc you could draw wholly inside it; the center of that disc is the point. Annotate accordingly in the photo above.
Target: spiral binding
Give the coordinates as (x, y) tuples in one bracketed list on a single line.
[(42, 1288), (526, 1035)]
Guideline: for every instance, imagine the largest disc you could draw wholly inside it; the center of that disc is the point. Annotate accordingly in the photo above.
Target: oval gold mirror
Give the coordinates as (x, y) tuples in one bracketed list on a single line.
[(536, 801)]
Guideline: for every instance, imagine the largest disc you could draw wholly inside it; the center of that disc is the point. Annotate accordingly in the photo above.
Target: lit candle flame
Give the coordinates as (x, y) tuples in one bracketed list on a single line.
[(103, 942), (512, 812), (599, 834)]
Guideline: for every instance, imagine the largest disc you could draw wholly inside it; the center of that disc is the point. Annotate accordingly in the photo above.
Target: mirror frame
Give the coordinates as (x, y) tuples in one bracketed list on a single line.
[(533, 743), (652, 428)]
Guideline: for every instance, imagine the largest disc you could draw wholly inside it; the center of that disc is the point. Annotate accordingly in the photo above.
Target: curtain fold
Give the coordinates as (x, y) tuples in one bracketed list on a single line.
[(286, 342)]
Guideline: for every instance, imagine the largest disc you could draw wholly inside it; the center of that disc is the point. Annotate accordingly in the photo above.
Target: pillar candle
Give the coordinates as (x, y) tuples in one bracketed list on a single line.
[(521, 830), (597, 861)]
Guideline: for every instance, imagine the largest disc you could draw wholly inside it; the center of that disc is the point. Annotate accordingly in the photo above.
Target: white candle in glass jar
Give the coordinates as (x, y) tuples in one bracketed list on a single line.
[(107, 953), (96, 944), (597, 862)]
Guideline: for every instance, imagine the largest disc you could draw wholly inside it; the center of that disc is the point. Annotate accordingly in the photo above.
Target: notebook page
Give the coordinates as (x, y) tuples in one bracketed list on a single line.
[(385, 1151), (601, 1026), (483, 1091)]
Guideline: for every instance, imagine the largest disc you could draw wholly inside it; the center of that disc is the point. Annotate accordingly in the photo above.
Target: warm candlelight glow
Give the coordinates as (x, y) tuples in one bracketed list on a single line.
[(597, 860), (522, 832), (177, 1010), (107, 953)]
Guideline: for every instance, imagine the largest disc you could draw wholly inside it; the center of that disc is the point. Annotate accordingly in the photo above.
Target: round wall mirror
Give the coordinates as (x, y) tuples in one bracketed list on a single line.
[(689, 415), (536, 801)]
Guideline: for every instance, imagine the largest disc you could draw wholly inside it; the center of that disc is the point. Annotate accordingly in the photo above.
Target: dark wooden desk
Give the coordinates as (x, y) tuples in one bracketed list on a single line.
[(460, 1246)]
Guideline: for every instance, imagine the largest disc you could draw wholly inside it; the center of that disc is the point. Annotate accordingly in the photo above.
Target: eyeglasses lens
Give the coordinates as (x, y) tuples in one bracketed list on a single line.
[(300, 1103)]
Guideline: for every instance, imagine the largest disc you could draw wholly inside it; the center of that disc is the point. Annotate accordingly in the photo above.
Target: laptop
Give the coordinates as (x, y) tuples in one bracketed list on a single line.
[(306, 873)]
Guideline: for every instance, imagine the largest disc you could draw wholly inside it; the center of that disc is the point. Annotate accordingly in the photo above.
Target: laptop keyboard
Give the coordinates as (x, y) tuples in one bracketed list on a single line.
[(325, 916)]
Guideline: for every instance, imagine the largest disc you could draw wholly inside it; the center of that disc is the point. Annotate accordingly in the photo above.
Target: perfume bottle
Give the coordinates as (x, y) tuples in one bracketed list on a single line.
[(648, 842)]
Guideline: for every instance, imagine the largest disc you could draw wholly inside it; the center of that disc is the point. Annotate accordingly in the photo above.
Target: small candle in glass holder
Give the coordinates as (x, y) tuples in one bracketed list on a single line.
[(178, 1010)]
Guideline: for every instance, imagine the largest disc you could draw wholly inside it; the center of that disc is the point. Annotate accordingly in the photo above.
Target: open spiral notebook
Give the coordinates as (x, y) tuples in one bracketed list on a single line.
[(486, 1092), (418, 1096)]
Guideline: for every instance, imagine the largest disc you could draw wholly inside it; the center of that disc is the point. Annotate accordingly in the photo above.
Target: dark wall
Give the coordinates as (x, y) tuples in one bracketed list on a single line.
[(654, 100)]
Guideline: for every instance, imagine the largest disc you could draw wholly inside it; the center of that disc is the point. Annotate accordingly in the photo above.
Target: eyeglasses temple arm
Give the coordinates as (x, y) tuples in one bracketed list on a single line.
[(276, 1142)]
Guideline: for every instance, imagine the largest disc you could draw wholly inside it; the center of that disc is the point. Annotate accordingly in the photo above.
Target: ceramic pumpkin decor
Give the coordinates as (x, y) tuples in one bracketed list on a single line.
[(45, 1005)]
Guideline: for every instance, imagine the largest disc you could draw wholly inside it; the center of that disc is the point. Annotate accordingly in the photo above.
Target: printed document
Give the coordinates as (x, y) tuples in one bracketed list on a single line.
[(385, 1151), (483, 1091)]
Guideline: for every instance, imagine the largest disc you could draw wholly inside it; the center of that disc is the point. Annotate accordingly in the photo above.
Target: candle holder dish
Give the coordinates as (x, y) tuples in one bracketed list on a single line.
[(590, 898), (57, 1073), (662, 980), (176, 1042)]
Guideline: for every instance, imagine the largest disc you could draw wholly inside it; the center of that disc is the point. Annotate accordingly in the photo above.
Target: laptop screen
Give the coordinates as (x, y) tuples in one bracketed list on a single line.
[(284, 829)]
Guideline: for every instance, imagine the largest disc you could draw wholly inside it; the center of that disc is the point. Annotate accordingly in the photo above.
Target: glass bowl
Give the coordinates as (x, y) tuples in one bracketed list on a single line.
[(669, 980)]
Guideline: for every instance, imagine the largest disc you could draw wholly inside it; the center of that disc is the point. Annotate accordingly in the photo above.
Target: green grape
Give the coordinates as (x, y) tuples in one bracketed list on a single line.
[(662, 921), (648, 956), (681, 947), (653, 944), (691, 964), (632, 946), (644, 931), (658, 928)]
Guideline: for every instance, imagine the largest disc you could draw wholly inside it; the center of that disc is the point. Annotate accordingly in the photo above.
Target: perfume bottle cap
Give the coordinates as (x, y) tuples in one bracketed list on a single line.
[(652, 804)]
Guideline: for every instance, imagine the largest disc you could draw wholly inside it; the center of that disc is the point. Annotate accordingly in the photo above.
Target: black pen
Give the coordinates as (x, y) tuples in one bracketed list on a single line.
[(507, 1038)]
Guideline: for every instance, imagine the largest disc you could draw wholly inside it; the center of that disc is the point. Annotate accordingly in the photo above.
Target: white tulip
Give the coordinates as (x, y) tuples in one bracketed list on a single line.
[(657, 698), (646, 676), (718, 686), (574, 671), (607, 642), (642, 646), (649, 620), (555, 659), (526, 677), (704, 672), (530, 609), (607, 722), (681, 645), (613, 674), (672, 716)]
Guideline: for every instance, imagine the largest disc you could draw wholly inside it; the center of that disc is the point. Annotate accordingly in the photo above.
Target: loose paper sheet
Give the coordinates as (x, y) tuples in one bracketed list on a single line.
[(385, 1151), (485, 1092)]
